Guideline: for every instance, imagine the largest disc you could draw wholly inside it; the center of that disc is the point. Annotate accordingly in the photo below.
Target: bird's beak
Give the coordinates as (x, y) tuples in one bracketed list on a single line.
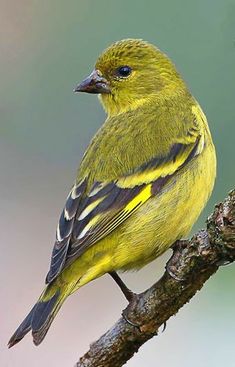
[(94, 83)]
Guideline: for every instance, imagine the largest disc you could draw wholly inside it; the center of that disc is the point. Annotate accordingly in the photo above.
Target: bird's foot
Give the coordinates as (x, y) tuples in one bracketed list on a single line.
[(130, 296), (171, 272), (130, 322), (171, 268)]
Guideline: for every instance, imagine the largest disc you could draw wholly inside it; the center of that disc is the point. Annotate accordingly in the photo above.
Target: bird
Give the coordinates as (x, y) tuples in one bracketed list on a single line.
[(141, 184)]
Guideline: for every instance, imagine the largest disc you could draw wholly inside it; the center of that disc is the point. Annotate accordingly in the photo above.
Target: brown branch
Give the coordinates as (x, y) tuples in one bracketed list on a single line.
[(192, 263)]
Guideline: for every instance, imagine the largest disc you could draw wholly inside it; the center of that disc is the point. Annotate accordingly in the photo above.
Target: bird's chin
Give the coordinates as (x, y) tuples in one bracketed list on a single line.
[(108, 103)]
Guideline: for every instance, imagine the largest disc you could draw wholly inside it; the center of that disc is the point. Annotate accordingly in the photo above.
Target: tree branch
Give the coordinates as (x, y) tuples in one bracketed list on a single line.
[(191, 265)]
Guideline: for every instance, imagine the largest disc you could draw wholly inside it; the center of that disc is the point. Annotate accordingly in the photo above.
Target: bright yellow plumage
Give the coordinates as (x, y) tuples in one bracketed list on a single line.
[(142, 183)]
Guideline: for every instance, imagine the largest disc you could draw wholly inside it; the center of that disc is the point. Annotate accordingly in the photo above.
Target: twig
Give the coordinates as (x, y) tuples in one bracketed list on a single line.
[(191, 265)]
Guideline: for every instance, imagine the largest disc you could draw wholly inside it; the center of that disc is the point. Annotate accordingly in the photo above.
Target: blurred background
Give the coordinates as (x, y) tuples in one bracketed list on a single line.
[(46, 48)]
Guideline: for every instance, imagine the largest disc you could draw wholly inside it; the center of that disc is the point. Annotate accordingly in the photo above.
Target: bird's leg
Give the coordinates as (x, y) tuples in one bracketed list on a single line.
[(129, 296), (126, 291)]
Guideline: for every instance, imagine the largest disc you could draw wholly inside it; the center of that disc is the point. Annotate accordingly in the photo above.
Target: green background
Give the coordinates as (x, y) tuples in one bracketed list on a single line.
[(46, 48)]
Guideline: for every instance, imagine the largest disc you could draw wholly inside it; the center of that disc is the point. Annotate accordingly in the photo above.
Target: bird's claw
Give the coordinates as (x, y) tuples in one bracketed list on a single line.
[(126, 318), (173, 275)]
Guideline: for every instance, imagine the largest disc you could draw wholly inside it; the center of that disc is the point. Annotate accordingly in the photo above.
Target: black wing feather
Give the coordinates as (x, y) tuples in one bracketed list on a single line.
[(64, 230)]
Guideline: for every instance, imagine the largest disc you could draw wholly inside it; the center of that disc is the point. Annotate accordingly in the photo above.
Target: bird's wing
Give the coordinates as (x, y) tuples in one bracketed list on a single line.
[(64, 229), (88, 218)]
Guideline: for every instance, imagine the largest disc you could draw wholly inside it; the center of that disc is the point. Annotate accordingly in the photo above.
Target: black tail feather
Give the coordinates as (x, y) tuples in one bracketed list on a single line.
[(38, 320), (43, 316), (22, 330)]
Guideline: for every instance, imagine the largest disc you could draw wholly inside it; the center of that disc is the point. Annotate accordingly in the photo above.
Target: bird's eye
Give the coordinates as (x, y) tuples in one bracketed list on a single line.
[(124, 71)]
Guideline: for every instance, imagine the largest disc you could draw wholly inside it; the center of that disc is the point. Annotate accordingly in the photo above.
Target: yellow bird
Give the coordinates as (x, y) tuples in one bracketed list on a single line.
[(142, 182)]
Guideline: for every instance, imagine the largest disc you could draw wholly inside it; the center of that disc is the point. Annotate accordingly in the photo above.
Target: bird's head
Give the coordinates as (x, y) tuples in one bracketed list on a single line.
[(129, 73)]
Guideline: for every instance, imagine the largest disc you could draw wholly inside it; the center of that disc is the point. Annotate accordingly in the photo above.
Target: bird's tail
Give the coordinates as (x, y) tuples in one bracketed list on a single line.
[(42, 314)]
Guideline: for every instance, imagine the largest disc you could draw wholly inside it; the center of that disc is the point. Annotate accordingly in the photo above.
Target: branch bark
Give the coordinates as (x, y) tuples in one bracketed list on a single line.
[(191, 265)]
